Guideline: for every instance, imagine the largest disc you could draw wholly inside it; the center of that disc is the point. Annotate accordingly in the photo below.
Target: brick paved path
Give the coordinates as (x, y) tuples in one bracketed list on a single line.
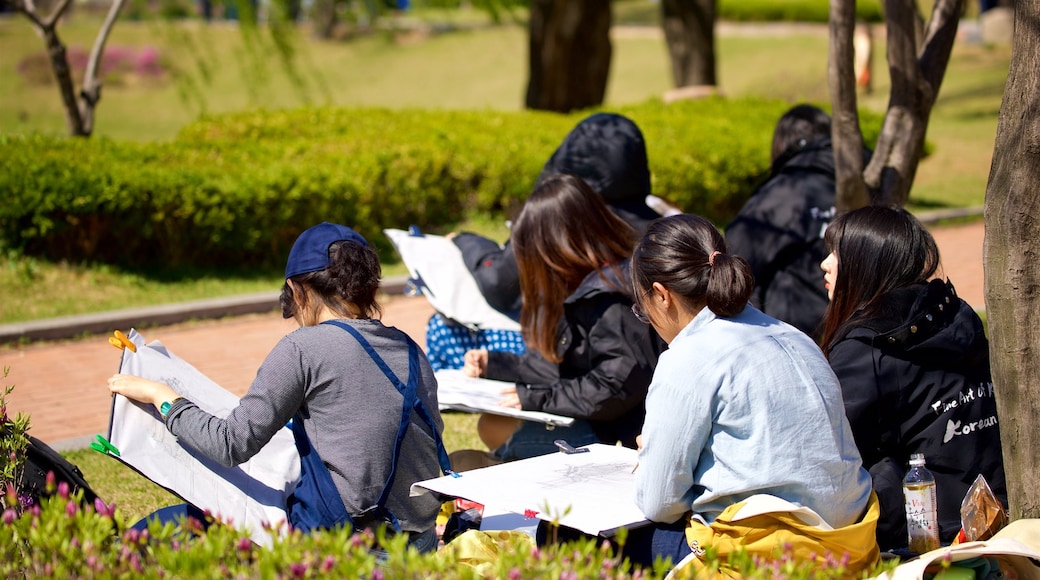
[(62, 385)]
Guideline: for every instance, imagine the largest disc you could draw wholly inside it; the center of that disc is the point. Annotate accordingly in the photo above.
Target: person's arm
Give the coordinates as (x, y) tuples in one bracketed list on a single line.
[(853, 363), (620, 369), (677, 428), (272, 400), (495, 270), (530, 367)]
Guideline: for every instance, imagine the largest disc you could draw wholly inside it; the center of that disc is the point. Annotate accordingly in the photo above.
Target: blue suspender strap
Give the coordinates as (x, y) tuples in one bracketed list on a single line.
[(411, 402)]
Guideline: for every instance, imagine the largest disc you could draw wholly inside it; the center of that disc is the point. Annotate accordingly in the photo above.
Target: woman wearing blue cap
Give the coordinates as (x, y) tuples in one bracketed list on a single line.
[(336, 379)]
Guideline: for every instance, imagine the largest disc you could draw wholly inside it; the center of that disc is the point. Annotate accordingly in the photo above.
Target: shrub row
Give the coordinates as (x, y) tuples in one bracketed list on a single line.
[(235, 190), (792, 10)]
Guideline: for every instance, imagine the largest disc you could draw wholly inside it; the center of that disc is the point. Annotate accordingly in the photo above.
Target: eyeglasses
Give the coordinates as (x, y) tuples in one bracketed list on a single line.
[(641, 316)]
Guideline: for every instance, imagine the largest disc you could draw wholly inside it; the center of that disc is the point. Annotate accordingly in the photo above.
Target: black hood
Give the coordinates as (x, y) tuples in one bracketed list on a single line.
[(931, 325), (607, 150), (816, 155)]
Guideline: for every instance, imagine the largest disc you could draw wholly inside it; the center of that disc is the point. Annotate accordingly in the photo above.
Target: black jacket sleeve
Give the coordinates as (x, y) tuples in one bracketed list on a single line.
[(853, 363), (869, 400), (605, 376), (495, 270)]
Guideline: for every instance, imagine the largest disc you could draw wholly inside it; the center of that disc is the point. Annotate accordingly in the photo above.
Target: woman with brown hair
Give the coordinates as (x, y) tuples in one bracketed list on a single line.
[(588, 356)]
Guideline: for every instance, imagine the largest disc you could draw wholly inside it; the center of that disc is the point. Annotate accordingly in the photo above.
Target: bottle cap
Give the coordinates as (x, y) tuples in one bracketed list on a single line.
[(917, 459)]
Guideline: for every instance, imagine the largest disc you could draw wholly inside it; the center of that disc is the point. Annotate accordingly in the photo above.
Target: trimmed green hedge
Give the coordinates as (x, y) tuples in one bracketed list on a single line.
[(792, 10), (235, 190)]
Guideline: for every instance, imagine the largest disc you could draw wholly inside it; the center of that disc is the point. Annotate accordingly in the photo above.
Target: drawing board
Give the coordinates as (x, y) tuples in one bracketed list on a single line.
[(436, 266), (247, 495), (592, 491), (457, 391)]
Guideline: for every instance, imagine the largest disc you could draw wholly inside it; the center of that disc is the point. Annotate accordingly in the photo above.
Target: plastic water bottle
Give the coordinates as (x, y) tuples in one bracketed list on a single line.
[(922, 523)]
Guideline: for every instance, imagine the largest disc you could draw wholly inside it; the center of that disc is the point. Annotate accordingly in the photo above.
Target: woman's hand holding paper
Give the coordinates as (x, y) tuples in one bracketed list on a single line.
[(141, 389)]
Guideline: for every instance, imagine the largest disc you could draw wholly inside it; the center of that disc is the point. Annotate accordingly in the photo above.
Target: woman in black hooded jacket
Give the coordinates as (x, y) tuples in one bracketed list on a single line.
[(913, 362)]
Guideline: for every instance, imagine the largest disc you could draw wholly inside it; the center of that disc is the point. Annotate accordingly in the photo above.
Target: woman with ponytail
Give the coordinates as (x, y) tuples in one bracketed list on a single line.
[(743, 415)]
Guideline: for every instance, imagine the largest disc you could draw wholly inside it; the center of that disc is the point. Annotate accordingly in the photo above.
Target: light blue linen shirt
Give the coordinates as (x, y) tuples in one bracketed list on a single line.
[(741, 406)]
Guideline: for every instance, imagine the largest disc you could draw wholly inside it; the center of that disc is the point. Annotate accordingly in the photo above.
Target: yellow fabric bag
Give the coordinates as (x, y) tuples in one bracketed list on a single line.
[(480, 549), (765, 525)]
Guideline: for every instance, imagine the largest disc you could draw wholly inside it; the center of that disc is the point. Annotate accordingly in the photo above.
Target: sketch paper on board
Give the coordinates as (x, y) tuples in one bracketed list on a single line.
[(593, 492), (435, 264), (457, 391), (247, 495)]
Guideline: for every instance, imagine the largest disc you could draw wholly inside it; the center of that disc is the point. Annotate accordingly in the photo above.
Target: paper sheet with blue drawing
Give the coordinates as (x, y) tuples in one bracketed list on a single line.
[(592, 492), (247, 495), (457, 391)]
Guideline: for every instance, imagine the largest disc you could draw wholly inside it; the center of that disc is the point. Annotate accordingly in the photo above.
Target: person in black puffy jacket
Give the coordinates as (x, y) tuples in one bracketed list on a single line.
[(779, 231), (913, 362), (588, 355)]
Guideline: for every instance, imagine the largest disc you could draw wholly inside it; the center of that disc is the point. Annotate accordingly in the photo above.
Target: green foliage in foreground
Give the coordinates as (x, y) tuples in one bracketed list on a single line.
[(62, 538), (236, 190)]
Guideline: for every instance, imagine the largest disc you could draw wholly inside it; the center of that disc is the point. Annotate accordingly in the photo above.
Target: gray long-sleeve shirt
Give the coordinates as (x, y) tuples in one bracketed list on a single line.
[(351, 414)]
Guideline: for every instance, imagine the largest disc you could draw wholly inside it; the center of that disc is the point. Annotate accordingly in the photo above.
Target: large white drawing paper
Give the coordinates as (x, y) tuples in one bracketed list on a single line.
[(457, 391), (435, 262), (248, 495), (592, 491)]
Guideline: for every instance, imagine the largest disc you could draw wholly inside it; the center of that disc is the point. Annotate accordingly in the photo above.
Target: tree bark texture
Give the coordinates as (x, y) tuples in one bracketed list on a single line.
[(570, 54), (1012, 261), (916, 67), (916, 74), (845, 132), (689, 31)]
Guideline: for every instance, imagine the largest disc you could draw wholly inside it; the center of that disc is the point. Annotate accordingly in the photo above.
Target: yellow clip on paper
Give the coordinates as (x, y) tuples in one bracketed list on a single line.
[(120, 341)]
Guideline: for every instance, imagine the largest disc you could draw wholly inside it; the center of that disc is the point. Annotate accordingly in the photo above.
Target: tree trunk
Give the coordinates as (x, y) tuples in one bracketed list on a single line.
[(845, 132), (689, 31), (63, 76), (916, 68), (1012, 267), (569, 54)]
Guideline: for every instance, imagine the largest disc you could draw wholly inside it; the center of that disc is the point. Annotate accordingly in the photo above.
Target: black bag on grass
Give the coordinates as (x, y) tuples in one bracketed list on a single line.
[(40, 459)]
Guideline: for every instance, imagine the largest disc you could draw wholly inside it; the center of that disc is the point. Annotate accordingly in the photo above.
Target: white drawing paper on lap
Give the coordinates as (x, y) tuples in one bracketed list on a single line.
[(592, 491), (457, 391), (248, 495), (436, 262)]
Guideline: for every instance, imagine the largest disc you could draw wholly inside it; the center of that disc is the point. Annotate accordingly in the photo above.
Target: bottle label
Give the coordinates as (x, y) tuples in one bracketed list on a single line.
[(921, 524)]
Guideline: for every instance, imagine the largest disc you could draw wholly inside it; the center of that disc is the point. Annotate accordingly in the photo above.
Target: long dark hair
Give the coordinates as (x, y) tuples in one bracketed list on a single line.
[(348, 286), (687, 255), (564, 232), (878, 250)]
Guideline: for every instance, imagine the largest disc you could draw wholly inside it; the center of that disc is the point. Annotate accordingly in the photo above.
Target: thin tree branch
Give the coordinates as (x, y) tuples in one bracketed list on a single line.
[(846, 136), (91, 92), (29, 9), (53, 18), (940, 35)]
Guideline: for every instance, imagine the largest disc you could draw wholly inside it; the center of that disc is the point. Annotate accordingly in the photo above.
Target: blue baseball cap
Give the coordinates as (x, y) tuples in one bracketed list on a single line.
[(310, 252)]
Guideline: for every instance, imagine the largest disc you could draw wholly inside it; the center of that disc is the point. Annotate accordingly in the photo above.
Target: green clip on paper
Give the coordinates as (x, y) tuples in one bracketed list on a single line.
[(101, 445)]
